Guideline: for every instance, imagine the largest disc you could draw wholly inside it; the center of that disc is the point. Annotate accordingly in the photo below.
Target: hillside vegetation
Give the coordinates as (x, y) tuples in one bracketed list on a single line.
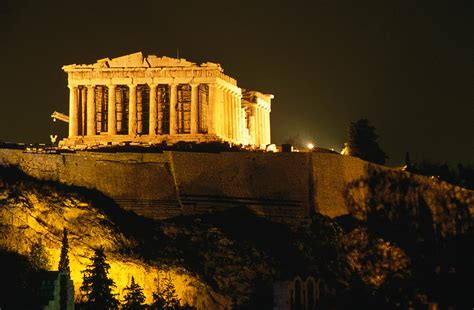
[(406, 243)]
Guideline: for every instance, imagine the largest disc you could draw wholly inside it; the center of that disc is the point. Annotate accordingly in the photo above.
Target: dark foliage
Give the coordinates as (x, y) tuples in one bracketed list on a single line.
[(363, 142), (462, 176), (20, 280), (96, 286), (64, 258), (436, 234), (166, 298), (134, 297), (39, 257)]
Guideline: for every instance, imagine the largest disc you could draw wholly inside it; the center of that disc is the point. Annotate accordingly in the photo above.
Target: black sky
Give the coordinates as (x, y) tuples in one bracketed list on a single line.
[(407, 66)]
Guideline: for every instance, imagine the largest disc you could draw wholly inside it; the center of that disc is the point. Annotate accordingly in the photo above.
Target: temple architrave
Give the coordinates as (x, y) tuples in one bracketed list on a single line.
[(149, 100)]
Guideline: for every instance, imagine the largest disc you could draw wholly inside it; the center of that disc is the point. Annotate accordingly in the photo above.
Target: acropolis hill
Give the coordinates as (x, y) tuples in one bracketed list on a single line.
[(222, 222)]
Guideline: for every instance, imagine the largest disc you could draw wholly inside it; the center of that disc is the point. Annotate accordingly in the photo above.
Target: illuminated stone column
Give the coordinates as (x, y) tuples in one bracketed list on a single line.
[(153, 122), (269, 133), (219, 113), (73, 112), (140, 111), (194, 108), (262, 126), (212, 115), (83, 110), (252, 125), (132, 110), (91, 125), (233, 115), (258, 126), (237, 114), (112, 115), (173, 106), (230, 115), (119, 118)]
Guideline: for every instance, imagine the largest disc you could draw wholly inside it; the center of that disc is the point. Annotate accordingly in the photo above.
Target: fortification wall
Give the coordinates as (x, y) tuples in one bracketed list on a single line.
[(285, 187), (332, 174)]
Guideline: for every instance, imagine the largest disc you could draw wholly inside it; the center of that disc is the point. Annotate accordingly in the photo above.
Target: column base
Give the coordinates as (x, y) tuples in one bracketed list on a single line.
[(84, 142)]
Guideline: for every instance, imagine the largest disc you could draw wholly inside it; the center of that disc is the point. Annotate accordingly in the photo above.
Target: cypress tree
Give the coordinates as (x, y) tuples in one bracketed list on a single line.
[(363, 142), (134, 298), (96, 285), (64, 258), (39, 257), (167, 298)]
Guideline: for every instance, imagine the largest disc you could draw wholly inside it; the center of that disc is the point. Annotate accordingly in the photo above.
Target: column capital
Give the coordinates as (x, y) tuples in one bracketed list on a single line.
[(194, 84), (111, 85), (132, 86), (152, 85)]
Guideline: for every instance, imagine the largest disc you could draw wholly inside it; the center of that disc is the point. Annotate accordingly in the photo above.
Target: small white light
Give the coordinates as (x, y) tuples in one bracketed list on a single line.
[(310, 146)]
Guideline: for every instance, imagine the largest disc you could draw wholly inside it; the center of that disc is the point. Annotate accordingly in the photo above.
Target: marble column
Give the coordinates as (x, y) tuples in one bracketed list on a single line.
[(269, 134), (211, 111), (258, 127), (233, 115), (83, 110), (139, 111), (153, 121), (112, 115), (237, 117), (229, 123), (194, 108), (173, 106), (252, 125), (91, 117), (73, 112), (132, 110)]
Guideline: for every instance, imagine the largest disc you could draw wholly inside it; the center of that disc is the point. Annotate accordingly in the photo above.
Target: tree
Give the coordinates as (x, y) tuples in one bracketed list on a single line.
[(96, 285), (64, 258), (363, 142), (166, 299), (134, 298), (39, 257)]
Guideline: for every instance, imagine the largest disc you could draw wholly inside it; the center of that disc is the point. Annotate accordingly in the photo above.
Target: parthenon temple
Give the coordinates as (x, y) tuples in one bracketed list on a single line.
[(150, 100)]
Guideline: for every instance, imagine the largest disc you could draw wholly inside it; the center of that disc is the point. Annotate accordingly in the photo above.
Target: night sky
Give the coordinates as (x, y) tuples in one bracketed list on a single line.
[(407, 66)]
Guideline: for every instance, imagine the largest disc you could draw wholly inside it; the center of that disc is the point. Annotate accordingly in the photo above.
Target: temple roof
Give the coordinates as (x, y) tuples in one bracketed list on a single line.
[(137, 60)]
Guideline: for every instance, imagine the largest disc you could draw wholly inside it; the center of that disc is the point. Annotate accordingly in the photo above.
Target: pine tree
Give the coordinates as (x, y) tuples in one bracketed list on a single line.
[(363, 142), (134, 298), (166, 299), (64, 258), (96, 285), (39, 257)]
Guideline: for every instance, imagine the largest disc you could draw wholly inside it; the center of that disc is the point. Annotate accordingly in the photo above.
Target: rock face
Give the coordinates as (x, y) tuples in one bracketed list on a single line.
[(33, 211)]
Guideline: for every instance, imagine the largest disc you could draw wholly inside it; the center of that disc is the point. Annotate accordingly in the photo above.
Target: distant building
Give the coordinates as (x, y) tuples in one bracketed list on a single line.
[(148, 100), (296, 294)]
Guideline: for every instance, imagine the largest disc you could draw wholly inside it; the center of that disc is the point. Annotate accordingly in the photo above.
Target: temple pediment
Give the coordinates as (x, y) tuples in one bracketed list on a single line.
[(137, 60), (131, 60)]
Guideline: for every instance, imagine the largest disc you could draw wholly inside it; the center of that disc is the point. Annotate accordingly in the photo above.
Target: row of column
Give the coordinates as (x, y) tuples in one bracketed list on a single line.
[(260, 125), (229, 111), (132, 112)]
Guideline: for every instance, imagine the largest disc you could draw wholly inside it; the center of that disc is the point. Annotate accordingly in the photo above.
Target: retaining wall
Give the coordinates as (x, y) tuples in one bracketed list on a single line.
[(285, 187)]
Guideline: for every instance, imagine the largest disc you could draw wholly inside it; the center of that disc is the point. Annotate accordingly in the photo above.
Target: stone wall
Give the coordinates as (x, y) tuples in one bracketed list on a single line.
[(285, 187)]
